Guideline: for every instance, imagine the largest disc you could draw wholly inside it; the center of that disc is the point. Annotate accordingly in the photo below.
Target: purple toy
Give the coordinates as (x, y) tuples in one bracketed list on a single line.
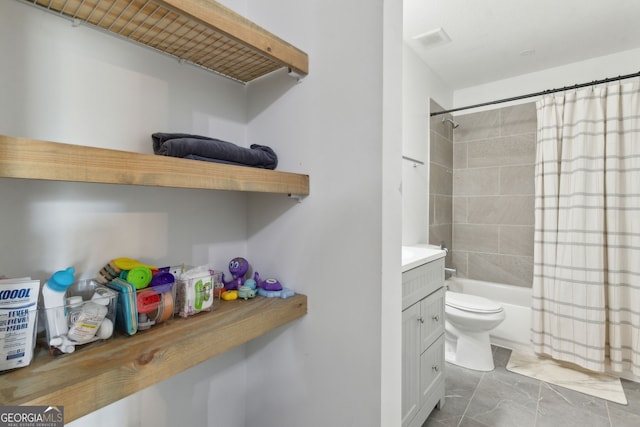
[(238, 267), (268, 284)]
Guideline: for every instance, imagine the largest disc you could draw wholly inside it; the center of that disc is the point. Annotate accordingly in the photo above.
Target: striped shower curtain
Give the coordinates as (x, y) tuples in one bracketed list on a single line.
[(586, 285)]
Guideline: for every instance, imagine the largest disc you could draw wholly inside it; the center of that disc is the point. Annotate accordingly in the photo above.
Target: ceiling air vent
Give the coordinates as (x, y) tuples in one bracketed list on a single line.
[(433, 38)]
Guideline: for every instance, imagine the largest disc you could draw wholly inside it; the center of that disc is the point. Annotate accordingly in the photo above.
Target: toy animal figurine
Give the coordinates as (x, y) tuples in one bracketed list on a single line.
[(246, 292), (238, 267), (251, 284), (268, 284), (229, 295)]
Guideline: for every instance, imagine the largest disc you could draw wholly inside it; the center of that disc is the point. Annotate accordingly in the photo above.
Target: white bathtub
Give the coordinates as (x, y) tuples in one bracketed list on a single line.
[(514, 332)]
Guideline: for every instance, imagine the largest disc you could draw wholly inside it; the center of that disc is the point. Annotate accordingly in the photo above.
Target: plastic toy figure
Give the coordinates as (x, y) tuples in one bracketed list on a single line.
[(268, 284), (238, 267), (246, 292)]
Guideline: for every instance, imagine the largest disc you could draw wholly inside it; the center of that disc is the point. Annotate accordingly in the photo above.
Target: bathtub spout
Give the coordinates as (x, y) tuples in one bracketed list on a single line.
[(451, 271)]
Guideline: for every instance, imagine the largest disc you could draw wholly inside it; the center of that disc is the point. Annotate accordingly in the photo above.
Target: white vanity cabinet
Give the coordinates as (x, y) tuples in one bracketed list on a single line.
[(422, 341)]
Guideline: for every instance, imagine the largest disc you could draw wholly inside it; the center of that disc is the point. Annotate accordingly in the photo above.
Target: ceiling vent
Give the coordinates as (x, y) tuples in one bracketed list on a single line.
[(433, 38)]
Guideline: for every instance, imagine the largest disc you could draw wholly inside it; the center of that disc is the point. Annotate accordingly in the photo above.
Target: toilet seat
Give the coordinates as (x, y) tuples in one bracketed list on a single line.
[(471, 303)]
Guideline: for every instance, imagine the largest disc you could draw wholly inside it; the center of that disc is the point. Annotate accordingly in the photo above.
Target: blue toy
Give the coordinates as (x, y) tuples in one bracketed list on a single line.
[(251, 284), (283, 293)]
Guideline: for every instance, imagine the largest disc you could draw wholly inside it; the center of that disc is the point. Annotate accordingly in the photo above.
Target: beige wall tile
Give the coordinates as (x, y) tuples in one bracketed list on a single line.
[(516, 240), (511, 270), (507, 150), (476, 181), (432, 214), (517, 179), (441, 150), (443, 209), (459, 210), (518, 119), (478, 238), (459, 262), (512, 210), (440, 233), (481, 125), (493, 202), (460, 155), (440, 179)]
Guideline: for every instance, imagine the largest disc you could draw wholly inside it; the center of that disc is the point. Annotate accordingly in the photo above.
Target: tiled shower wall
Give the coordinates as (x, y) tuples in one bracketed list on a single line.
[(493, 194), (440, 181)]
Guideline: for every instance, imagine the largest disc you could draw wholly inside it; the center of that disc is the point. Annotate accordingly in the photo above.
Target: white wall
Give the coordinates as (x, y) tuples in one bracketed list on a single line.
[(420, 85), (81, 86), (325, 370), (392, 131), (567, 75)]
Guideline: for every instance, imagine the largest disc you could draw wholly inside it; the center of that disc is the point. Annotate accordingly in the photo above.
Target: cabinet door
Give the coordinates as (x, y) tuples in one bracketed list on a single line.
[(432, 315), (432, 372), (410, 363)]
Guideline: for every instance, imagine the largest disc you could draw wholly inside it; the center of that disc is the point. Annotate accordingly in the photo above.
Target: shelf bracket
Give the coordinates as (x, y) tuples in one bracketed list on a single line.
[(295, 75), (297, 197)]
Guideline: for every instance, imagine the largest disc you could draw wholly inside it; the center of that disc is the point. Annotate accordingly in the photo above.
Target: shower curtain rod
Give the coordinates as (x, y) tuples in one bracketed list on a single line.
[(544, 92)]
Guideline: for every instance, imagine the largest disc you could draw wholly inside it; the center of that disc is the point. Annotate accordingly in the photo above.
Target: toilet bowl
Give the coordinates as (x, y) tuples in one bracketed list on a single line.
[(468, 321)]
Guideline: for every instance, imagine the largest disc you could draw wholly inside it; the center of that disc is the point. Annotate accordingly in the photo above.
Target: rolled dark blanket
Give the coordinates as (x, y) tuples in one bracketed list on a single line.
[(211, 149)]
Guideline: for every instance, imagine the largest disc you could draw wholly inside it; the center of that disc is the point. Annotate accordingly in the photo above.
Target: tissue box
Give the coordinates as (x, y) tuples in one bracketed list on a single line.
[(90, 313)]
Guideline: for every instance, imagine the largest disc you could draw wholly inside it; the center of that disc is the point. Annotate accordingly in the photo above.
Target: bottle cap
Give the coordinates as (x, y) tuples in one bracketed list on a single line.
[(61, 280)]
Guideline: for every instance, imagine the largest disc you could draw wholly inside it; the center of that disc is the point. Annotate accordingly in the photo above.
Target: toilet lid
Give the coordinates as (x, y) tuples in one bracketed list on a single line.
[(471, 303)]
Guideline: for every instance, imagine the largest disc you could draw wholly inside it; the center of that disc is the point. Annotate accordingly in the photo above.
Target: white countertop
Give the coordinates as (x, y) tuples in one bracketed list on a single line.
[(416, 255)]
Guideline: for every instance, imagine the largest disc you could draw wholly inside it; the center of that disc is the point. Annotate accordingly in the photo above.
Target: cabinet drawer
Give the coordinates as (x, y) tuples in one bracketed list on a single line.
[(421, 281), (432, 370), (432, 318)]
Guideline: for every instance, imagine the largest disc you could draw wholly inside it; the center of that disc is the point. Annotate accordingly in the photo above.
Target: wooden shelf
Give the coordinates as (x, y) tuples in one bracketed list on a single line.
[(202, 32), (35, 159), (103, 373)]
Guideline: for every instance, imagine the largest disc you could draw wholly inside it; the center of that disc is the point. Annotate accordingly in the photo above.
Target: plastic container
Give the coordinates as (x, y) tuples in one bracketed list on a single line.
[(140, 309), (88, 321), (196, 290), (156, 302), (89, 315)]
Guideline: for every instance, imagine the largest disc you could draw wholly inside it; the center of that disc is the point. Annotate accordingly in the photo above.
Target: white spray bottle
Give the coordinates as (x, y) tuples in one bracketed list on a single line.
[(54, 298)]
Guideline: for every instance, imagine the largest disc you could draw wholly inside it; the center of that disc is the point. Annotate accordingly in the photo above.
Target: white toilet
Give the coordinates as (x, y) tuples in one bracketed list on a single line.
[(468, 320)]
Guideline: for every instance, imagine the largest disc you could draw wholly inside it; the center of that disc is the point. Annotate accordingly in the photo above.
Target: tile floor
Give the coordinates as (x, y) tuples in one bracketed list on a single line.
[(504, 399)]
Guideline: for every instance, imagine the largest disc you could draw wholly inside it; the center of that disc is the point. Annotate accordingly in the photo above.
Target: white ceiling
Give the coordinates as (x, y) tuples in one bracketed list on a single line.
[(488, 37)]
